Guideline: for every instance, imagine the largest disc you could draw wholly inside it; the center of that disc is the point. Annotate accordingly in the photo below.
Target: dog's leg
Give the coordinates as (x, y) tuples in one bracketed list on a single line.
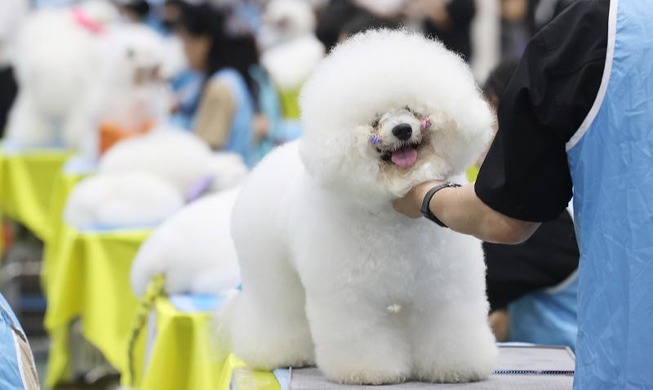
[(27, 126), (357, 341), (266, 321), (75, 128), (451, 345), (450, 335)]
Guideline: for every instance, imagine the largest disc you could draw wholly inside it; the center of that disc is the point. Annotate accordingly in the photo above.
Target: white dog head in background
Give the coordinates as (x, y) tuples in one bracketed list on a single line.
[(131, 89), (387, 110)]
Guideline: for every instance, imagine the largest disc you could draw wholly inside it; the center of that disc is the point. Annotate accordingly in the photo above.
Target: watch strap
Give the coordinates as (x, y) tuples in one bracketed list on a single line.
[(425, 210)]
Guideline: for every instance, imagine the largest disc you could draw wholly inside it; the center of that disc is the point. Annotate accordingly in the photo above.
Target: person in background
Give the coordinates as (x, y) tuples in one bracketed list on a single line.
[(517, 28), (448, 21), (225, 114), (363, 22), (340, 13), (135, 11)]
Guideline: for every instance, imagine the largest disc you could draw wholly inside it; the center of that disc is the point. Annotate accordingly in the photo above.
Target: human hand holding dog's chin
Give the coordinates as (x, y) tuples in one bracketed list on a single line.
[(410, 203)]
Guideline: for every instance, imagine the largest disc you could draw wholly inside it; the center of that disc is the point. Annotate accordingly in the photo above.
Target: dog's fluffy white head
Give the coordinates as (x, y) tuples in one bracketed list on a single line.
[(387, 110), (285, 20)]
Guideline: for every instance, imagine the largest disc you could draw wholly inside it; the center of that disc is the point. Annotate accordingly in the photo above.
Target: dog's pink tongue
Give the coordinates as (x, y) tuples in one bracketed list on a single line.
[(405, 157)]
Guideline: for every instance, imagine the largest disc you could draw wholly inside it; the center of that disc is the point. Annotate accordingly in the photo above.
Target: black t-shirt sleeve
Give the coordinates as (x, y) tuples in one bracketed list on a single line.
[(525, 174)]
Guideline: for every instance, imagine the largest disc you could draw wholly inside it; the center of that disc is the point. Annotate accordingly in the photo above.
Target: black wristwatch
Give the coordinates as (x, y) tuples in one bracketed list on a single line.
[(425, 210)]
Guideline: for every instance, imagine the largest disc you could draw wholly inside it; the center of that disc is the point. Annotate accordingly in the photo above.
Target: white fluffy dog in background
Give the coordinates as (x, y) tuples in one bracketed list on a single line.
[(331, 274), (126, 200), (130, 90), (12, 14), (178, 157), (57, 61), (290, 49), (181, 168), (193, 249)]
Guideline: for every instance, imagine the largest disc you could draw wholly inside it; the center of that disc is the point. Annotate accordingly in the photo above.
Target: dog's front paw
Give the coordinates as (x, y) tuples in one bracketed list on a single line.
[(454, 375), (361, 374), (473, 369), (360, 377)]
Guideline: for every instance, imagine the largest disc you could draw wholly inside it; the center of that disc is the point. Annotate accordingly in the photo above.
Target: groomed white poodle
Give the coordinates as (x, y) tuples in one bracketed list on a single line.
[(290, 50), (56, 61), (331, 274), (193, 249), (180, 166), (125, 200), (129, 92)]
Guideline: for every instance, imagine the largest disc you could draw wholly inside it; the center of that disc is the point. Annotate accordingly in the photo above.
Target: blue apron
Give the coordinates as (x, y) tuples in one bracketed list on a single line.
[(15, 373), (611, 162)]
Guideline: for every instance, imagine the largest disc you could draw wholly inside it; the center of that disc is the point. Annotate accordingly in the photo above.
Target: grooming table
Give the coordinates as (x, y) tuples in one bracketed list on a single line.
[(520, 367)]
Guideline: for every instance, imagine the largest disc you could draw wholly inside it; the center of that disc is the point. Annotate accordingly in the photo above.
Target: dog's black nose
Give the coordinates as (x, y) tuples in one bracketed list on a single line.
[(403, 131)]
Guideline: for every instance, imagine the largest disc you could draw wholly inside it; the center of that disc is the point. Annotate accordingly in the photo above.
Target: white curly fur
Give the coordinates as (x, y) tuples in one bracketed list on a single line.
[(331, 274), (290, 64), (170, 156), (290, 50), (176, 156), (193, 249), (121, 200), (57, 62), (12, 14), (129, 90), (285, 20)]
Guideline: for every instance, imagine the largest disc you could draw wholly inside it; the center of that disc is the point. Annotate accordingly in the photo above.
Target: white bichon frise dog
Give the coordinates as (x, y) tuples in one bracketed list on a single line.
[(180, 166), (291, 51), (331, 274), (130, 92), (193, 249), (56, 61), (126, 200), (177, 156)]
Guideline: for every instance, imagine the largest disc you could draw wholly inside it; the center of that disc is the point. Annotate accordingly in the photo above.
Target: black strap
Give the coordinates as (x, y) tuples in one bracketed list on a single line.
[(425, 210)]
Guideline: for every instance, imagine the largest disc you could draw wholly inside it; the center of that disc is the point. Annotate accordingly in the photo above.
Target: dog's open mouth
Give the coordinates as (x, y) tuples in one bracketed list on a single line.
[(404, 155)]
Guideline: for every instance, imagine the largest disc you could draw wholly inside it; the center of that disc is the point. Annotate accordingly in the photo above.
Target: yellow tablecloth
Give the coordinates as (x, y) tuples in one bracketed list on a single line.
[(63, 185), (290, 103), (26, 186), (88, 277), (183, 355)]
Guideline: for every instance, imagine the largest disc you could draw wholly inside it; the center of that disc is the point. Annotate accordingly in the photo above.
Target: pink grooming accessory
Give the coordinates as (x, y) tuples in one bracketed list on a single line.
[(426, 123), (83, 20)]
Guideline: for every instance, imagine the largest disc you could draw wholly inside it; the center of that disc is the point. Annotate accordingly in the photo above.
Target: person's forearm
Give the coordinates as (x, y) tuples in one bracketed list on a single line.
[(461, 210), (215, 115)]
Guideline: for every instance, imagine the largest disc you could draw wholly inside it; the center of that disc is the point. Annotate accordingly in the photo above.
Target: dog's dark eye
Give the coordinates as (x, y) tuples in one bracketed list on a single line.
[(375, 121), (410, 110)]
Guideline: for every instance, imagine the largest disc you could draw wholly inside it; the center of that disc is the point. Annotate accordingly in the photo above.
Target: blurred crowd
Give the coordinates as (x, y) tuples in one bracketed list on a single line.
[(235, 68)]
